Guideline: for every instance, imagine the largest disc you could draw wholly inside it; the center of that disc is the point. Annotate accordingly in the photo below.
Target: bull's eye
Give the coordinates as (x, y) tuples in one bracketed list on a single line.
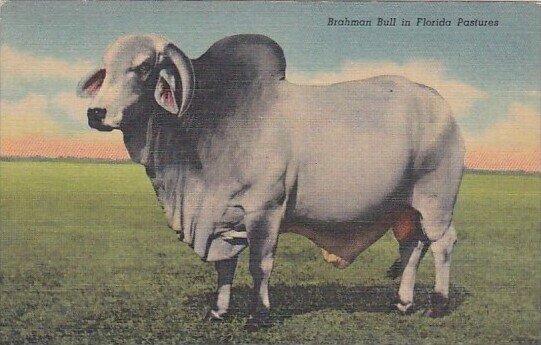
[(142, 69)]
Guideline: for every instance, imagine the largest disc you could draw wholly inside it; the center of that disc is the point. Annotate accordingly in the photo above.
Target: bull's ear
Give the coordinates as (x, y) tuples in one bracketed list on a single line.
[(166, 91), (176, 81), (91, 84)]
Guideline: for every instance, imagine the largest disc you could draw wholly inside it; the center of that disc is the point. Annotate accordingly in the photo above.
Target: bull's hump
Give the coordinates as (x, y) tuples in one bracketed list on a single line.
[(242, 59)]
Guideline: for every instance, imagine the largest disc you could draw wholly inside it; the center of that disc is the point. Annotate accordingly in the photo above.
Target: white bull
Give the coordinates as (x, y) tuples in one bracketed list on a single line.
[(237, 155)]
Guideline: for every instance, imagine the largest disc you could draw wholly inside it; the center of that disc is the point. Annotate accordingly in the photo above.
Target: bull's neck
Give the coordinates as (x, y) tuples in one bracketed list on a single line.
[(161, 141), (167, 150)]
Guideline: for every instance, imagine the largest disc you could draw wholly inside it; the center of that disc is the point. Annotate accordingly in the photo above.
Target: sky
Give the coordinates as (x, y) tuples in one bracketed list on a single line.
[(489, 75)]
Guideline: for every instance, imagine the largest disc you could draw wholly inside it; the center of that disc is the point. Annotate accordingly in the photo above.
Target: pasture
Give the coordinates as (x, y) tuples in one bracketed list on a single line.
[(86, 257)]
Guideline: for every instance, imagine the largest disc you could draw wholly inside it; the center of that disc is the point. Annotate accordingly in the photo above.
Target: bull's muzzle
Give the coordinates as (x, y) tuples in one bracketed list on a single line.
[(95, 118)]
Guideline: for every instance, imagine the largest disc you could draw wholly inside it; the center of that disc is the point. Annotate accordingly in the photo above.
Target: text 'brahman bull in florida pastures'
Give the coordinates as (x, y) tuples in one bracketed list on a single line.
[(238, 155)]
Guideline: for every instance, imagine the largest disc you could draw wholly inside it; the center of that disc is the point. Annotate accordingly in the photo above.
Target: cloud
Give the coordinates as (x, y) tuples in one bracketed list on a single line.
[(460, 95), (26, 129), (18, 65), (75, 107), (520, 130), (27, 116)]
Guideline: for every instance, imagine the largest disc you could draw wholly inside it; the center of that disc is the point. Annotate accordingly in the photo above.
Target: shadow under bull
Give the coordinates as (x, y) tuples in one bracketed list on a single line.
[(291, 300)]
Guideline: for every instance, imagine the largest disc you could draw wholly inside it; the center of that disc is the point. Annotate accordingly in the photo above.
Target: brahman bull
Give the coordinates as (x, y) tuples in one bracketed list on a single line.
[(238, 155)]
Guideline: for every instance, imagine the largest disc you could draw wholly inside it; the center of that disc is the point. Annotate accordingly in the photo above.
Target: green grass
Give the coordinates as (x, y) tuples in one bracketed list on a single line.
[(86, 257)]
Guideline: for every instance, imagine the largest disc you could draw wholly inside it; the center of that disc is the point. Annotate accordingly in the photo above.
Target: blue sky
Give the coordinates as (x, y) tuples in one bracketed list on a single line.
[(80, 30), (501, 64)]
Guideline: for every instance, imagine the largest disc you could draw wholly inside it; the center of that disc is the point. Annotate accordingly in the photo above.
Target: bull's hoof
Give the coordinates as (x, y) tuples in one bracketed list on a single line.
[(395, 270), (257, 322), (404, 308), (439, 306), (214, 316)]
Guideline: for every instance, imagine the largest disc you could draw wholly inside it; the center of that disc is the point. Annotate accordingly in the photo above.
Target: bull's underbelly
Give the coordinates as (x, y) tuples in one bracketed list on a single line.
[(347, 200), (340, 246), (341, 243)]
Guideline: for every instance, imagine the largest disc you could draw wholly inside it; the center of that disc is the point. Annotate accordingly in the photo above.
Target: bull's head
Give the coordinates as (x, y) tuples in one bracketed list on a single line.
[(139, 72)]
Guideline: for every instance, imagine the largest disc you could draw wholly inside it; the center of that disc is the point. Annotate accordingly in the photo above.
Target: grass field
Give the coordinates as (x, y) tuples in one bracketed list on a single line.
[(86, 257)]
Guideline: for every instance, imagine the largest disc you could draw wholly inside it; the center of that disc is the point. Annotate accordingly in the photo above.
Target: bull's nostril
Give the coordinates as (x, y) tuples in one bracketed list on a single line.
[(96, 114)]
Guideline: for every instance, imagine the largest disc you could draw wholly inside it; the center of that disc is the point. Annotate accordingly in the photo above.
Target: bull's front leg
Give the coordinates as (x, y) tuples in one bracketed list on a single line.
[(262, 238), (226, 272)]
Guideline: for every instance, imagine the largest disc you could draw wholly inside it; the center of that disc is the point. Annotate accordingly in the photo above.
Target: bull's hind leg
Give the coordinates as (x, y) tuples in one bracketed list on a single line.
[(412, 250), (434, 229), (434, 196), (406, 229), (439, 302), (439, 231)]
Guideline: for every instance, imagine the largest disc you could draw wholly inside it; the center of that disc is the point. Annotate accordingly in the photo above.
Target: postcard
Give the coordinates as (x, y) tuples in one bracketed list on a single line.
[(270, 172)]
